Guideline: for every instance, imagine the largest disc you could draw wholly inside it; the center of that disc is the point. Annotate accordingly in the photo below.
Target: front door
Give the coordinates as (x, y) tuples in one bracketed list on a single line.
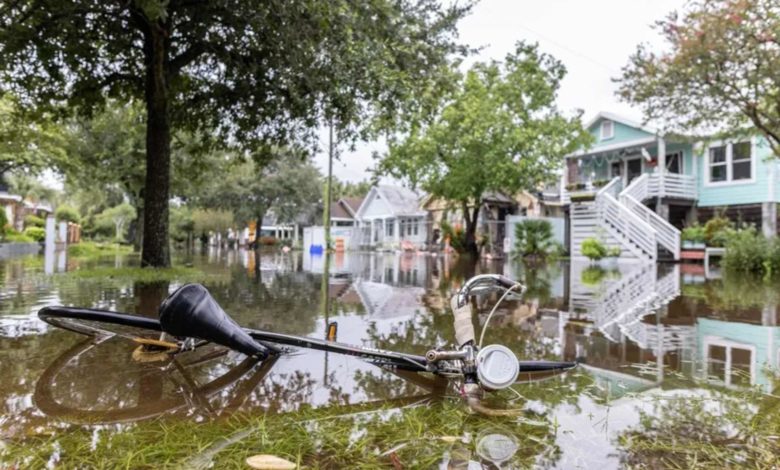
[(633, 169)]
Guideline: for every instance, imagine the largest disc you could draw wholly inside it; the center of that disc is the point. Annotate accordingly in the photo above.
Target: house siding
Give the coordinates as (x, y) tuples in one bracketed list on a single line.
[(622, 133), (752, 192)]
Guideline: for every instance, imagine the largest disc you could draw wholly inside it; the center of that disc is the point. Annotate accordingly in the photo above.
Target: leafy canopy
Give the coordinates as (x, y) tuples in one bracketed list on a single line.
[(720, 72), (289, 185), (498, 130), (241, 71)]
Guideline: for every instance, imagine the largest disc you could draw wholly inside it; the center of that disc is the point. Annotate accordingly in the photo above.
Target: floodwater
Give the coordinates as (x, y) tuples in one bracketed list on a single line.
[(678, 365)]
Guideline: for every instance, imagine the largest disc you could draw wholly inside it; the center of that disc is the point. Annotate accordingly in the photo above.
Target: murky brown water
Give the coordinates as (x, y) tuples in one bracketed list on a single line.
[(647, 335)]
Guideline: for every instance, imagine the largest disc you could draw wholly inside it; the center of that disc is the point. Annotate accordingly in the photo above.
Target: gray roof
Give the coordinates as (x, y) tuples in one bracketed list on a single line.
[(402, 201)]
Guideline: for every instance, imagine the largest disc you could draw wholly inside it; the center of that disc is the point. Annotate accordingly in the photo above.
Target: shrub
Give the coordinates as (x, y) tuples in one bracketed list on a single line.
[(12, 236), (67, 214), (456, 235), (593, 248), (716, 231), (614, 252), (268, 241), (3, 222), (694, 233), (747, 251), (34, 221), (534, 237), (592, 276), (36, 233)]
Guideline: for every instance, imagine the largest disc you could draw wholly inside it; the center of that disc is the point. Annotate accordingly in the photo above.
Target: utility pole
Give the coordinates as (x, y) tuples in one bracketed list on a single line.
[(328, 187)]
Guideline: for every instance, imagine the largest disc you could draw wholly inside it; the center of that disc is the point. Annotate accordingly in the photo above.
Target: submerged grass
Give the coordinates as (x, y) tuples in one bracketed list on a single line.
[(89, 249), (143, 275), (412, 437)]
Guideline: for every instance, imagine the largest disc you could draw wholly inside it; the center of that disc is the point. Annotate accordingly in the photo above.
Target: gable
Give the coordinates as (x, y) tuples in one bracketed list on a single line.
[(621, 132), (374, 205)]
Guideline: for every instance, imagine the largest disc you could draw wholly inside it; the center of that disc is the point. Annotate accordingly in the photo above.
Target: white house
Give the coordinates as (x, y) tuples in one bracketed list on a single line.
[(391, 217)]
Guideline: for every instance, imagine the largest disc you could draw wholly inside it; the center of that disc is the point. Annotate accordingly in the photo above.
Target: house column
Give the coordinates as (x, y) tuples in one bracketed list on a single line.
[(769, 208), (661, 208), (397, 230)]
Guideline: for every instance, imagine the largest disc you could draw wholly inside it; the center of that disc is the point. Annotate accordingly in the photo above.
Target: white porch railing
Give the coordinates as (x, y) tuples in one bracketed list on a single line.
[(640, 189), (674, 186), (625, 224)]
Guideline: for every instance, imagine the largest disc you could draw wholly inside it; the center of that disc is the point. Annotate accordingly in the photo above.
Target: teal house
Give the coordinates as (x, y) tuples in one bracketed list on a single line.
[(635, 188)]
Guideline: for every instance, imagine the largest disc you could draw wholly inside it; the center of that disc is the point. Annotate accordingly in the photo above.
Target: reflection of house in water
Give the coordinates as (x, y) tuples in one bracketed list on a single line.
[(384, 301), (632, 322)]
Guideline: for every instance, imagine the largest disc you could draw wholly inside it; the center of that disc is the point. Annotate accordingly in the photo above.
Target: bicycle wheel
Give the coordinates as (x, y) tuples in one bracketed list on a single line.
[(101, 323)]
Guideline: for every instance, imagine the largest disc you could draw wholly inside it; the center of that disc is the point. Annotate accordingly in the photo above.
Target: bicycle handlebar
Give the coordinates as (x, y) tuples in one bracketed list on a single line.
[(485, 282)]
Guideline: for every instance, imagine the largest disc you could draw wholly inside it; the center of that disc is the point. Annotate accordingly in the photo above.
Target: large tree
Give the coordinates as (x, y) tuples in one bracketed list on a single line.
[(26, 145), (498, 130), (244, 72), (720, 71), (287, 184)]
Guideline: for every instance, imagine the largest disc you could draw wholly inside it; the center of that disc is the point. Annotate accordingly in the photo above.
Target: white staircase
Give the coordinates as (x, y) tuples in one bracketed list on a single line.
[(617, 307), (642, 188), (619, 218)]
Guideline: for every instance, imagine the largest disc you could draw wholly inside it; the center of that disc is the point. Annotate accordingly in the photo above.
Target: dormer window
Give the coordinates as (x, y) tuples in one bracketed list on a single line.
[(607, 129)]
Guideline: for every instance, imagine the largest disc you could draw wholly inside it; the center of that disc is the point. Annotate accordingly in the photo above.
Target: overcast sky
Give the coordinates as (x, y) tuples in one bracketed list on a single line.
[(593, 38)]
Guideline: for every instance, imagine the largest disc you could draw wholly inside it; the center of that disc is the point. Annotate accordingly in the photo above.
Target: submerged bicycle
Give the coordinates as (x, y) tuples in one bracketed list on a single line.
[(191, 318)]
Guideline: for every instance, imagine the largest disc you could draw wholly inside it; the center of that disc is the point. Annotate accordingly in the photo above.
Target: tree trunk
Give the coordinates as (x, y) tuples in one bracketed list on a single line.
[(137, 230), (470, 232), (156, 252), (258, 231)]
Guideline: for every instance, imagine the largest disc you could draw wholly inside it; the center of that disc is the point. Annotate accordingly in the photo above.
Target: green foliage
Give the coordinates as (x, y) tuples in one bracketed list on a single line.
[(613, 252), (36, 233), (362, 66), (87, 249), (694, 233), (143, 275), (66, 213), (3, 222), (716, 231), (749, 252), (182, 223), (342, 189), (498, 130), (718, 69), (288, 185), (26, 145), (593, 249), (13, 236), (535, 238), (34, 221), (593, 276), (115, 220), (205, 221), (456, 235)]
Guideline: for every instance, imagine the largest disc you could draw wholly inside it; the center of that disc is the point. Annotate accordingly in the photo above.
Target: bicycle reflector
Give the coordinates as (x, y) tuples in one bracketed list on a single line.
[(497, 367), (332, 331)]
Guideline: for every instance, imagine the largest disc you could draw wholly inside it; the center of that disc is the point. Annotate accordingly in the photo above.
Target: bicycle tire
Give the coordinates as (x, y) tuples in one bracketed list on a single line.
[(94, 322)]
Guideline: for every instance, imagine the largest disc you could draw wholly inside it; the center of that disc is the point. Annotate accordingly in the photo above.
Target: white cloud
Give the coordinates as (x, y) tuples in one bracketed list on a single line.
[(593, 38)]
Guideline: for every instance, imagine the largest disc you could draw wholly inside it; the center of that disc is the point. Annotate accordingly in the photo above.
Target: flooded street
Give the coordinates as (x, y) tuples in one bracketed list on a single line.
[(677, 368)]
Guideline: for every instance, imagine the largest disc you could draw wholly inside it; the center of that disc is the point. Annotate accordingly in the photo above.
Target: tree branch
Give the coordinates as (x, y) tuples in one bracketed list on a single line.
[(186, 57)]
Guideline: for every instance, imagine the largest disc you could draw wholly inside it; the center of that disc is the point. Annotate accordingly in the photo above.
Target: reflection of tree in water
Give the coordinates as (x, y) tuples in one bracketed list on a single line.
[(717, 428), (283, 301)]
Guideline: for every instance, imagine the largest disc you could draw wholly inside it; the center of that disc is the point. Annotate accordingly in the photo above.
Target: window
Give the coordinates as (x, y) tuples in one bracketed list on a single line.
[(416, 223), (607, 129), (740, 161), (389, 227), (730, 363), (674, 162), (718, 165), (731, 162)]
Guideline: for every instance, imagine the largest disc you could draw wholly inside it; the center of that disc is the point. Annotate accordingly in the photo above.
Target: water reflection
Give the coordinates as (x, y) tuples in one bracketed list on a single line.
[(640, 329)]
